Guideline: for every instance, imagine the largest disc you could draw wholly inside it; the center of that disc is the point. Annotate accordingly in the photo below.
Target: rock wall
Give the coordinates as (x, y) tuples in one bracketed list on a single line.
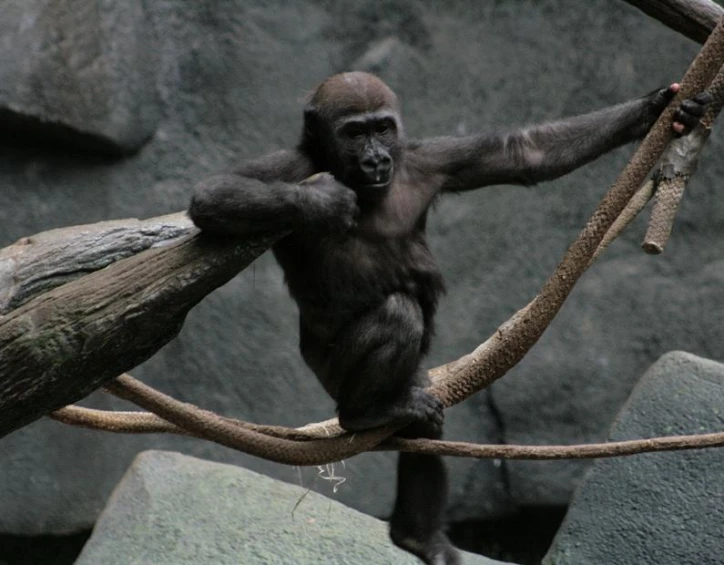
[(662, 508), (170, 509)]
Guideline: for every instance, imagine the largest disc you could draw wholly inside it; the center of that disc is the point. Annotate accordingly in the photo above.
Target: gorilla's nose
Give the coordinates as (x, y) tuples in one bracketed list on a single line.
[(377, 168)]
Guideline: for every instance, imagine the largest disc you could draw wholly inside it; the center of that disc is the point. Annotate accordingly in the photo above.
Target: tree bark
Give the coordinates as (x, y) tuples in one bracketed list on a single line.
[(63, 343), (42, 262), (693, 18)]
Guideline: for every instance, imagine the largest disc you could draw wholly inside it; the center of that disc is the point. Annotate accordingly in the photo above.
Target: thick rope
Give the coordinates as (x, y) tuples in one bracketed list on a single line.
[(212, 427), (145, 422), (633, 208), (552, 452)]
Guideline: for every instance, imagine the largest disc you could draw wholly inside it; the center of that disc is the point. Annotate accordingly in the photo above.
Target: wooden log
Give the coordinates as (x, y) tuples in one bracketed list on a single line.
[(39, 263), (64, 343)]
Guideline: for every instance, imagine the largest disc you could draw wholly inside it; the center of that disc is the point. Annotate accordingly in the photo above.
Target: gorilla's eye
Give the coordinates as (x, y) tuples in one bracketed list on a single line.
[(385, 126), (353, 131)]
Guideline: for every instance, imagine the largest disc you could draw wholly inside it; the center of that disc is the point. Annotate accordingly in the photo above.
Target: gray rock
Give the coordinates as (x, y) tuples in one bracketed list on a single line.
[(232, 77), (663, 508), (56, 479), (79, 71), (623, 314), (171, 509)]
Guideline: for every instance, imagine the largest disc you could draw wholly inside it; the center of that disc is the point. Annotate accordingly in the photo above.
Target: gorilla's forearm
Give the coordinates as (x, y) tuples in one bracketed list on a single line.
[(548, 151), (241, 205), (238, 205)]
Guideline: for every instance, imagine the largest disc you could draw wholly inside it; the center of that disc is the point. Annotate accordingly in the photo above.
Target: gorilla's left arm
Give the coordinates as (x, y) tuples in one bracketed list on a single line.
[(544, 152)]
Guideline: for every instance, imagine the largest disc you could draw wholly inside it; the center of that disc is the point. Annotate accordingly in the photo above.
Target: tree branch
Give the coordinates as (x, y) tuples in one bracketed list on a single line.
[(65, 343), (693, 18), (45, 261)]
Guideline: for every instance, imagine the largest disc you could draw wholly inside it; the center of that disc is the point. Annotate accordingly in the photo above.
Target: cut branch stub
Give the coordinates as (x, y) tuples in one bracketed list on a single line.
[(668, 197), (62, 345), (676, 167)]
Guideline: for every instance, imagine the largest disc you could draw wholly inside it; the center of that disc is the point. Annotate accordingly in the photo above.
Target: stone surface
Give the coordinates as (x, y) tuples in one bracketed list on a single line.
[(78, 72), (232, 78), (663, 508), (171, 509)]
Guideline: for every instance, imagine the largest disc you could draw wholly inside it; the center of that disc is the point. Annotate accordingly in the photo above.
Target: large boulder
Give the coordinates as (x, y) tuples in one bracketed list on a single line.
[(171, 509), (663, 508), (78, 73), (231, 79)]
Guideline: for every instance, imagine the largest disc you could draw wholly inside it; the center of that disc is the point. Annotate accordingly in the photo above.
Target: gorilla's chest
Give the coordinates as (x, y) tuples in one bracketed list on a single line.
[(353, 271)]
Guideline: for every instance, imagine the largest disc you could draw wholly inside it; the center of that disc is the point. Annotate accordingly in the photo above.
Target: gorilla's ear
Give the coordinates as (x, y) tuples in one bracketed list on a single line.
[(311, 121)]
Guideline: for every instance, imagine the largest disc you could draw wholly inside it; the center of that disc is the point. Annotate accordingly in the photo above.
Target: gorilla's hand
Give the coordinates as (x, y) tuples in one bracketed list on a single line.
[(689, 113), (327, 203)]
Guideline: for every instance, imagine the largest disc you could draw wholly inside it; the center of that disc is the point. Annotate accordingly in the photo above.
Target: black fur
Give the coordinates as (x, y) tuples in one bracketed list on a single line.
[(358, 264)]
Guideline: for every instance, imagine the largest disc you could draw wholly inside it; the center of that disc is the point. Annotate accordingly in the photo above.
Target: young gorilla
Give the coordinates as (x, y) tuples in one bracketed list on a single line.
[(356, 194)]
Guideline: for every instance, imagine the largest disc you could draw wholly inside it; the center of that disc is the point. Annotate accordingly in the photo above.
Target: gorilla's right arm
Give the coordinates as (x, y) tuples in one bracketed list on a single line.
[(272, 193), (547, 151)]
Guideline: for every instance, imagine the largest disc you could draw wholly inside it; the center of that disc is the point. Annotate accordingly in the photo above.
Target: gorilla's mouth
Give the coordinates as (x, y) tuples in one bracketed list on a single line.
[(376, 181), (373, 181), (373, 191)]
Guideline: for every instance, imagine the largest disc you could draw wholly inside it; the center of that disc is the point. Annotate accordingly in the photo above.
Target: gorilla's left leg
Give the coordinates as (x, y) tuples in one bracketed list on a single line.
[(377, 359)]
